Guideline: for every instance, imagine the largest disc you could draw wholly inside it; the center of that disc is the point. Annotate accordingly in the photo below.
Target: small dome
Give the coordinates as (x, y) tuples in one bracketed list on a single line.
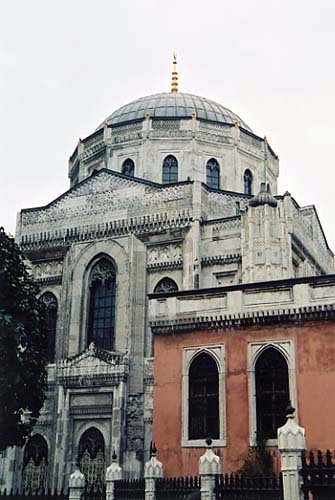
[(264, 197), (173, 105)]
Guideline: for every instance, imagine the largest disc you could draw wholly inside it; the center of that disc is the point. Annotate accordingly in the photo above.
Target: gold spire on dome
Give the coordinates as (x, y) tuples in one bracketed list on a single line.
[(174, 83)]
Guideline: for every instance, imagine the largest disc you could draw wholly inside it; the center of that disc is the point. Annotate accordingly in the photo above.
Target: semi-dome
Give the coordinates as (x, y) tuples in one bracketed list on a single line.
[(174, 105)]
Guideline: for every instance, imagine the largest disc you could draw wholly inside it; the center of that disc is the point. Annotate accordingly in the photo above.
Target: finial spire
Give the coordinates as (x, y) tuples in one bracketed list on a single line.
[(174, 83), (265, 158)]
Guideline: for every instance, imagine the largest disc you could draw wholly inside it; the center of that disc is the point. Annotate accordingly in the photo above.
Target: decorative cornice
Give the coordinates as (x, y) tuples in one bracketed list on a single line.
[(136, 225), (49, 280), (221, 259), (91, 380), (164, 266), (244, 320)]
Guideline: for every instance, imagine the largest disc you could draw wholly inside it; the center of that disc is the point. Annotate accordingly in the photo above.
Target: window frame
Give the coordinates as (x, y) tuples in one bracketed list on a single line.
[(217, 352), (251, 177), (255, 349), (210, 168), (169, 172)]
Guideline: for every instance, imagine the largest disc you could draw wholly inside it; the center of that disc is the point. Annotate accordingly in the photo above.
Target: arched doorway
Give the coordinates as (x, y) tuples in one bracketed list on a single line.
[(35, 465), (92, 458)]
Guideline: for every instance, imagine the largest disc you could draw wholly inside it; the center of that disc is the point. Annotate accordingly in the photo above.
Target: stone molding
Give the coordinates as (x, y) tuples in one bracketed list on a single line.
[(221, 259), (93, 367), (49, 280), (165, 266), (243, 320), (137, 225)]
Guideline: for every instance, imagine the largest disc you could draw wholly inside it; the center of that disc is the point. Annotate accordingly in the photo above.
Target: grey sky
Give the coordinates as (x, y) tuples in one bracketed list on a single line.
[(66, 65)]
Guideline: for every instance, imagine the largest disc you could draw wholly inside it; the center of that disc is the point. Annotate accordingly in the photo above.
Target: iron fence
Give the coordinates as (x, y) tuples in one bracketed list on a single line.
[(318, 475), (130, 489), (33, 495), (181, 488), (240, 487)]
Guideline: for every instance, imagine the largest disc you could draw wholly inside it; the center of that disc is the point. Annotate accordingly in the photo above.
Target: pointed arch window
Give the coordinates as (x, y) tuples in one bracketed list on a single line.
[(213, 174), (170, 170), (166, 285), (92, 458), (247, 179), (51, 305), (203, 398), (101, 323), (128, 168), (35, 465), (272, 392)]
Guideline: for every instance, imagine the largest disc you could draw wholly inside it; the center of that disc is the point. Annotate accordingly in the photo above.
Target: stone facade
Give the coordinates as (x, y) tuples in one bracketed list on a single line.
[(197, 236)]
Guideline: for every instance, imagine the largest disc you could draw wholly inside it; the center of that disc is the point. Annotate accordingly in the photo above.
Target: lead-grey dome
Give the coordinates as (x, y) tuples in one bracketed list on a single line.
[(173, 105)]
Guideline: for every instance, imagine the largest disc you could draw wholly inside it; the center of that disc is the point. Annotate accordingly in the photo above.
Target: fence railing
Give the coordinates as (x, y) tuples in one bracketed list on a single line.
[(240, 487), (318, 475), (181, 488), (30, 495), (132, 489)]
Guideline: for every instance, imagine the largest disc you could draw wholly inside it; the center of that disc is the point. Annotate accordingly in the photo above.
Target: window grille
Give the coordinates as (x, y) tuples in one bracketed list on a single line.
[(272, 392), (203, 398), (170, 170), (101, 322), (213, 174)]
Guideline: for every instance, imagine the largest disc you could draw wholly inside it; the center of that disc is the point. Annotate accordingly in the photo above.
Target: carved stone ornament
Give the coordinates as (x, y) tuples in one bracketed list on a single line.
[(49, 300), (102, 271)]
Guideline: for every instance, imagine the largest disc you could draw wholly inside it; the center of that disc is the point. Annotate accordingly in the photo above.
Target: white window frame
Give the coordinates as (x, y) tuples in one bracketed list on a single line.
[(255, 349), (217, 352)]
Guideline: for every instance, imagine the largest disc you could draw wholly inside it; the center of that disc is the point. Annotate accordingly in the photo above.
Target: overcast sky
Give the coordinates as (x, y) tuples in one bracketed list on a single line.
[(66, 65)]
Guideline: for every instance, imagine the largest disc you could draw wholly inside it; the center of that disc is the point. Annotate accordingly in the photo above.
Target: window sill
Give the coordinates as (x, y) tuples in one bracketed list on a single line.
[(201, 443)]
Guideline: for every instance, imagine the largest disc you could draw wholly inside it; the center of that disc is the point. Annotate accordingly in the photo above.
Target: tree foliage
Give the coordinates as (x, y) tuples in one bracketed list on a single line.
[(23, 344), (259, 461)]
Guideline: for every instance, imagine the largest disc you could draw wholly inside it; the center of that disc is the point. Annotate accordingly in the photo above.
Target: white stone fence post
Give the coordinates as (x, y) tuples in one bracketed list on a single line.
[(209, 468), (153, 470), (113, 473), (291, 443), (76, 485)]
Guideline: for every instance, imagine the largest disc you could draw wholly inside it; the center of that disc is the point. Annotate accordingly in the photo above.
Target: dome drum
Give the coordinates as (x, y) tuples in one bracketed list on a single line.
[(148, 129)]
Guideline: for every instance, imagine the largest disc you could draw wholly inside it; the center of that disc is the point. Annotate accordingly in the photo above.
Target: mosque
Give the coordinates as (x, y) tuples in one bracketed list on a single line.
[(185, 297)]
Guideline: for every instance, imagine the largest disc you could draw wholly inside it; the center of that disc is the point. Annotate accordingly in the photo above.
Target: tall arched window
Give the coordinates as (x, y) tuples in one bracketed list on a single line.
[(92, 458), (247, 182), (170, 170), (35, 465), (203, 413), (101, 321), (213, 174), (50, 302), (272, 392), (128, 168), (166, 285)]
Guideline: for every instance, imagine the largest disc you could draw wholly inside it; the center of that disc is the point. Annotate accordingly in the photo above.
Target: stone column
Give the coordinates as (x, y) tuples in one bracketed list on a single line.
[(209, 468), (153, 470), (113, 473), (76, 485), (291, 442)]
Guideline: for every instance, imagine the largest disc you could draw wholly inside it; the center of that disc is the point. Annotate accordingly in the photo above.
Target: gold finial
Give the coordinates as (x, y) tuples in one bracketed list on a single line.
[(174, 83)]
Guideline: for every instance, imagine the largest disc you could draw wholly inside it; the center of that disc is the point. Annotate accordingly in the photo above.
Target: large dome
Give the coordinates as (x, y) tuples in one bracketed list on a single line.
[(173, 105)]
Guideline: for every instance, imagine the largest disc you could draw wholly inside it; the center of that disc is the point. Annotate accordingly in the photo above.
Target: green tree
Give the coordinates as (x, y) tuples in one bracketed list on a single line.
[(23, 347)]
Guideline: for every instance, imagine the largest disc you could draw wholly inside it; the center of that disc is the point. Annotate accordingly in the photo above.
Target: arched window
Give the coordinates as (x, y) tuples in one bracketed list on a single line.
[(128, 168), (203, 398), (170, 170), (101, 322), (35, 465), (247, 182), (50, 302), (92, 458), (166, 285), (272, 392), (213, 174)]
